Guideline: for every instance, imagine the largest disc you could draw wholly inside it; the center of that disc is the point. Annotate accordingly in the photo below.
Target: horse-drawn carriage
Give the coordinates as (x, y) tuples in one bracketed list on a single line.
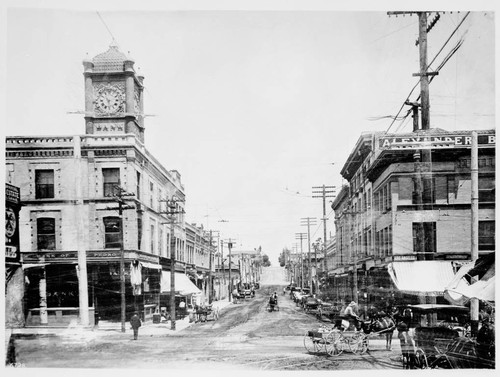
[(206, 312), (347, 334), (441, 340), (311, 304)]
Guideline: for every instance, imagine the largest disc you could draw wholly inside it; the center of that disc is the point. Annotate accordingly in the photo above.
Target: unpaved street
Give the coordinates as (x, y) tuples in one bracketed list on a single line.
[(245, 337)]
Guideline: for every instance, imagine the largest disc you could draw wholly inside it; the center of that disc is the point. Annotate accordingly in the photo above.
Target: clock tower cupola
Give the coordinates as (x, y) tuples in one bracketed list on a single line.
[(113, 95)]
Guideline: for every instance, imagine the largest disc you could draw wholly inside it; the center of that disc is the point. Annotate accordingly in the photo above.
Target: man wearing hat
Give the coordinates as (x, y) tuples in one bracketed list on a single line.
[(135, 322)]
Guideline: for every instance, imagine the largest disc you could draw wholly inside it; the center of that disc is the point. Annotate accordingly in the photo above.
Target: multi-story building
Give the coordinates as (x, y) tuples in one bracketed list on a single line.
[(71, 221), (198, 254), (397, 210)]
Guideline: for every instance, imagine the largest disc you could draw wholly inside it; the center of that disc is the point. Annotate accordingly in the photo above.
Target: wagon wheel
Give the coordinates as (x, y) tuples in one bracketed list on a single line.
[(313, 345), (334, 343), (358, 343), (420, 359)]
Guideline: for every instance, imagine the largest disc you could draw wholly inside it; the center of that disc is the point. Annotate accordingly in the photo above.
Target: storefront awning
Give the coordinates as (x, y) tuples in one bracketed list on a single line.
[(183, 285), (421, 277), (482, 290), (458, 291)]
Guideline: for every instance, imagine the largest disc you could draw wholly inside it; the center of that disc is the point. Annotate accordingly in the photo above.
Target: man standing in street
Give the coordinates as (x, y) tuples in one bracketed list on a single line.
[(135, 322)]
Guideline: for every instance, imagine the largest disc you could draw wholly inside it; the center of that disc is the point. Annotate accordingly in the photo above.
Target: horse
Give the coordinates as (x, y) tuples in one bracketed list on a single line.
[(384, 324)]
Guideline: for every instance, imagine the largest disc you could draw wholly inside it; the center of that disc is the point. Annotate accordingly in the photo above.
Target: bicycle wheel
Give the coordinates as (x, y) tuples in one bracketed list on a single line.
[(313, 345), (420, 359), (334, 343)]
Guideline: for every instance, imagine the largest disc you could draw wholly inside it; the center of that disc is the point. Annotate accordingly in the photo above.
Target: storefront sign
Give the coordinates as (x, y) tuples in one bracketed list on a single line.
[(435, 142), (403, 257), (12, 206)]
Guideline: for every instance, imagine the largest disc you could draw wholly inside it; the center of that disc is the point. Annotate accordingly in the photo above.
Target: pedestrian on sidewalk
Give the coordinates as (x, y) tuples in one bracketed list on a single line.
[(135, 322)]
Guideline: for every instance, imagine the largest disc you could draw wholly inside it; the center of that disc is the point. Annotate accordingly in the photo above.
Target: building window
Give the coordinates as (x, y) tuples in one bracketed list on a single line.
[(112, 239), (44, 184), (46, 233), (427, 235), (428, 191), (139, 233), (111, 179), (486, 235), (486, 189), (138, 186), (160, 240), (152, 239), (151, 194)]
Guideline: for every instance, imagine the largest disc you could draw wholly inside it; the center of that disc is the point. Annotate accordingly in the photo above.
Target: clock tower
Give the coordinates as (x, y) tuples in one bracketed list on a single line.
[(113, 95)]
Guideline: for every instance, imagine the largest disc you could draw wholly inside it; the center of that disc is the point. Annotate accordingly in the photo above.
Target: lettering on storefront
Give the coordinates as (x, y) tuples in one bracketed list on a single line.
[(102, 255), (435, 142), (404, 257)]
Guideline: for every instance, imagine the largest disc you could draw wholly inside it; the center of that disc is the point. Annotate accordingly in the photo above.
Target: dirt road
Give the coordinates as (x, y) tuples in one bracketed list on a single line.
[(246, 336)]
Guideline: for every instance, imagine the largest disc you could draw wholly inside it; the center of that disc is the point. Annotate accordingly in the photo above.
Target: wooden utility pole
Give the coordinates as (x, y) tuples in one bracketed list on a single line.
[(326, 192), (83, 296), (474, 170), (301, 236), (308, 221), (119, 195), (229, 247), (223, 269), (422, 157), (171, 212)]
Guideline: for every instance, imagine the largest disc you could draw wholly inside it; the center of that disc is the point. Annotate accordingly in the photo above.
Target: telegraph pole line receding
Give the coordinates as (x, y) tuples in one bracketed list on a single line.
[(308, 221), (325, 192), (118, 196), (301, 236), (172, 210)]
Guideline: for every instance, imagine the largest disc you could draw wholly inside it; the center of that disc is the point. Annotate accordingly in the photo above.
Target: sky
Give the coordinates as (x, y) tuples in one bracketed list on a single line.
[(254, 106)]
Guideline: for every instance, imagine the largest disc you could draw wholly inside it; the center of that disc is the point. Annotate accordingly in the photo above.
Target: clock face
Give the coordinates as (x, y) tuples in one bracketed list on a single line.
[(109, 101)]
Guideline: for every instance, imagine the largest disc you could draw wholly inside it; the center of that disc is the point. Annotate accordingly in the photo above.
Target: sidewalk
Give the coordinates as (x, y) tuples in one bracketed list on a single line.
[(147, 329)]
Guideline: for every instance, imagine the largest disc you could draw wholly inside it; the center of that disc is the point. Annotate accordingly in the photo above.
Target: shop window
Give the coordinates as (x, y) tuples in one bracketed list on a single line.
[(46, 233), (111, 181), (44, 184), (112, 238), (486, 235)]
